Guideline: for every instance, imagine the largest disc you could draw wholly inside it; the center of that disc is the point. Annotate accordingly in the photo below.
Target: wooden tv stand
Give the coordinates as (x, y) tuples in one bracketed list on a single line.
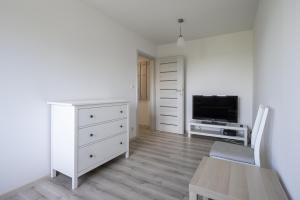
[(215, 129)]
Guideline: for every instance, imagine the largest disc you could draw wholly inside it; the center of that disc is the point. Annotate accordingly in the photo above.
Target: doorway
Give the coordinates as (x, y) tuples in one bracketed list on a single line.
[(145, 94)]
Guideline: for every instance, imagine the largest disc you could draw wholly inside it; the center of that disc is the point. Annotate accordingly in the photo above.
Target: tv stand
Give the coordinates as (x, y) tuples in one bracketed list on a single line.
[(214, 123), (216, 128)]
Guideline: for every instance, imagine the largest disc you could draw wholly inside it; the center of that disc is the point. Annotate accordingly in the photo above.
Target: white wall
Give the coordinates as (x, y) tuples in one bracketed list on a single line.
[(53, 50), (216, 66), (276, 78)]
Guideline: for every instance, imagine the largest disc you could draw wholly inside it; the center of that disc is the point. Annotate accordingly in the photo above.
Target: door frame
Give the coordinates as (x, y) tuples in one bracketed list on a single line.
[(152, 98)]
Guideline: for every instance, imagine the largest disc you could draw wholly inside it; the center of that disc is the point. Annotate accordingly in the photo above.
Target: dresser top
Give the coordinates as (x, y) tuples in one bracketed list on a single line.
[(86, 102)]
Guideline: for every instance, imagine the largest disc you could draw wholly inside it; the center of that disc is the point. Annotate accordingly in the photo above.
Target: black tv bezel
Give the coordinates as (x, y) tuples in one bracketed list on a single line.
[(215, 119)]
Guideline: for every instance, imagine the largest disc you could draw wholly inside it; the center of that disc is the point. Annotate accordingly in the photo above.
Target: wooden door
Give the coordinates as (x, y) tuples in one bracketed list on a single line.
[(170, 95)]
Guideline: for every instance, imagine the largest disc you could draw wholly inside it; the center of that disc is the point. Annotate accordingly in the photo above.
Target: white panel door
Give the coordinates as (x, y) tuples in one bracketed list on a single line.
[(170, 95)]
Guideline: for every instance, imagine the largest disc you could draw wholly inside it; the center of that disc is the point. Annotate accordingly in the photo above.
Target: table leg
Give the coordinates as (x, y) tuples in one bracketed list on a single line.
[(189, 131), (192, 196), (246, 137)]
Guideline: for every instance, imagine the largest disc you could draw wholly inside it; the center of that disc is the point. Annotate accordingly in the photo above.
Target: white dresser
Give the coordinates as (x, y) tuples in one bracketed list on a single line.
[(86, 134)]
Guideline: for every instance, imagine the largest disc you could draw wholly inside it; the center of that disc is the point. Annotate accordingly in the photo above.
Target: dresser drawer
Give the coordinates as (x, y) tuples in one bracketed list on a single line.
[(98, 132), (97, 153), (89, 116)]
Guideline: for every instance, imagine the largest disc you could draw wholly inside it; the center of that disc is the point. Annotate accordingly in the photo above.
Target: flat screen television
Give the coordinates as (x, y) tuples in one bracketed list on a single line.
[(215, 108)]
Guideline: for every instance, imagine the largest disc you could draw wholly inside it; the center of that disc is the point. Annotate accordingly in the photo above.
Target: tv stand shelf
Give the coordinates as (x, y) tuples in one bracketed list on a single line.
[(215, 129)]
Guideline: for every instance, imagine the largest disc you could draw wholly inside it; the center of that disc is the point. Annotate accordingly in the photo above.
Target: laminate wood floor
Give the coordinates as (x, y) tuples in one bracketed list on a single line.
[(160, 167)]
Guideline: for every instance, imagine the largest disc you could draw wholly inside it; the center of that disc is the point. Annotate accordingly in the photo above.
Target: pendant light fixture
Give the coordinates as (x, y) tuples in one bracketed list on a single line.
[(180, 40)]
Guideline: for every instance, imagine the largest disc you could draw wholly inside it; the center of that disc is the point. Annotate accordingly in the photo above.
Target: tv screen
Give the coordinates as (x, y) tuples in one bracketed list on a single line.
[(217, 108)]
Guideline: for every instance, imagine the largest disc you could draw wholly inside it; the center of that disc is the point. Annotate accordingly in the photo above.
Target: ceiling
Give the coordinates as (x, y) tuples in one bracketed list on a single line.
[(156, 20)]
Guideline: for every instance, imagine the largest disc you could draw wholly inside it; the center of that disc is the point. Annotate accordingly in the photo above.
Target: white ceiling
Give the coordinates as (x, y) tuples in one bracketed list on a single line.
[(156, 20)]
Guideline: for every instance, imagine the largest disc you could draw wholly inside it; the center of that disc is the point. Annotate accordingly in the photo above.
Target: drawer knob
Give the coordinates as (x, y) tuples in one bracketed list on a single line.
[(121, 126), (121, 111), (91, 156), (91, 116), (121, 142), (91, 135)]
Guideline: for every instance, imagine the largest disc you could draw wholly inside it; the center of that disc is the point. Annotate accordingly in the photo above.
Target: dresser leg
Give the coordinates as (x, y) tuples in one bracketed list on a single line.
[(74, 183), (127, 154), (53, 173), (192, 196)]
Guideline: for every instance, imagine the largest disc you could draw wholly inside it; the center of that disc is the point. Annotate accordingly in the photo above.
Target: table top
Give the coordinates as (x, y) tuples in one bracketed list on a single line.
[(220, 179)]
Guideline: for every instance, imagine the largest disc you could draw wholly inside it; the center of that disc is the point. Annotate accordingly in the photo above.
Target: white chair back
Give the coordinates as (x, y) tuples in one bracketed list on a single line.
[(256, 125), (258, 139)]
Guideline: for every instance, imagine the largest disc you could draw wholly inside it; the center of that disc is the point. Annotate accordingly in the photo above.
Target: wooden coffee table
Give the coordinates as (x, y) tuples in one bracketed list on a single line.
[(224, 180)]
